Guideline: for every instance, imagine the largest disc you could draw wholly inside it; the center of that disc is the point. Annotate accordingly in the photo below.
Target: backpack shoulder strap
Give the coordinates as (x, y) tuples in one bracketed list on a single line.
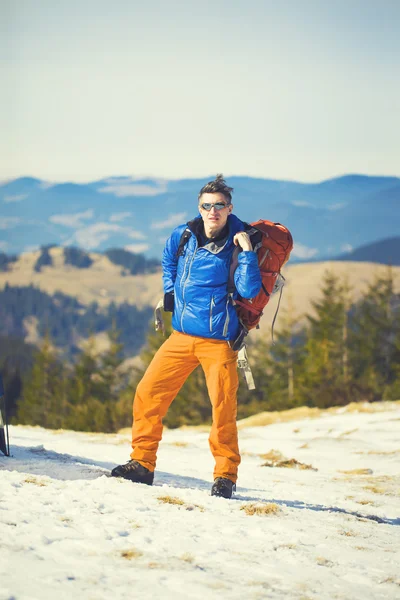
[(183, 241)]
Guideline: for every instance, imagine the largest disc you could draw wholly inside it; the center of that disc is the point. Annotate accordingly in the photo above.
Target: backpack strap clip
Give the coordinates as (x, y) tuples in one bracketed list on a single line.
[(244, 367), (158, 319)]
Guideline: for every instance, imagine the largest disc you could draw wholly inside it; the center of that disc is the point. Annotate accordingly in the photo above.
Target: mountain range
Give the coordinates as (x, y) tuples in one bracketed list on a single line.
[(327, 219)]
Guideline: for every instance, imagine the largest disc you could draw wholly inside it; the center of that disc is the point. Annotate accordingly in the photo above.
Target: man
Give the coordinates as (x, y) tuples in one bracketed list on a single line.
[(205, 324)]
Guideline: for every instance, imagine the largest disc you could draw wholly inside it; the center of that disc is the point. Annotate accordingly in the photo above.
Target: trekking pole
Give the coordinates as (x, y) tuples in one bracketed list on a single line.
[(4, 437)]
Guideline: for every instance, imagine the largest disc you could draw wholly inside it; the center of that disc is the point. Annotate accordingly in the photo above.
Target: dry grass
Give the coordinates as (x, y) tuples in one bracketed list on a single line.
[(324, 562), (171, 500), (395, 580), (178, 444), (348, 533), (305, 412), (272, 455), (131, 554), (379, 452), (304, 446), (375, 489), (348, 432), (256, 508), (357, 472), (194, 507), (366, 502), (290, 463), (187, 557), (35, 481), (284, 416), (178, 502), (155, 565)]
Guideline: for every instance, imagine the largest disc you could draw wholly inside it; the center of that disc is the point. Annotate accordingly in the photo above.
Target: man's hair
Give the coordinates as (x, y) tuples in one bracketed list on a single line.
[(217, 186)]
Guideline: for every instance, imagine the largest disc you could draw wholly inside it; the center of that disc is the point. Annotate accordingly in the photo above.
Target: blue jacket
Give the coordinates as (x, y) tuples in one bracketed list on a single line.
[(199, 280)]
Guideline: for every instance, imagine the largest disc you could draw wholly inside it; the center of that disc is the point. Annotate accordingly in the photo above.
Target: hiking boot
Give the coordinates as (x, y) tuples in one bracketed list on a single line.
[(223, 487), (135, 472)]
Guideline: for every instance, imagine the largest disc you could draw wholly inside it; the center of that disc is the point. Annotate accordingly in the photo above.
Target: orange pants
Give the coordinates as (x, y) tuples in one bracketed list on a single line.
[(172, 364)]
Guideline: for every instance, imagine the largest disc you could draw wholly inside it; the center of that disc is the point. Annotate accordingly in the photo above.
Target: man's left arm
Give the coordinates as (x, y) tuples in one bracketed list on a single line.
[(247, 275)]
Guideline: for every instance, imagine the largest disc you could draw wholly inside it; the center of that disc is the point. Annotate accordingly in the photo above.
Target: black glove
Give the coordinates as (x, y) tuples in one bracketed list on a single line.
[(169, 302)]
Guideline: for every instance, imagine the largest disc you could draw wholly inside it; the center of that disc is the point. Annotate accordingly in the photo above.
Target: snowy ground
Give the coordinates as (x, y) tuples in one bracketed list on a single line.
[(68, 531)]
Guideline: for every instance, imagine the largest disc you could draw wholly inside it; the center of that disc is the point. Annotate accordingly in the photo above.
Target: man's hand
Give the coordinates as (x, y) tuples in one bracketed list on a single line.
[(243, 240)]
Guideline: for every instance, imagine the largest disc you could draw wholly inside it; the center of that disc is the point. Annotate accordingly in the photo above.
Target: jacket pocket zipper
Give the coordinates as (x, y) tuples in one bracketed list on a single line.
[(212, 304), (226, 324)]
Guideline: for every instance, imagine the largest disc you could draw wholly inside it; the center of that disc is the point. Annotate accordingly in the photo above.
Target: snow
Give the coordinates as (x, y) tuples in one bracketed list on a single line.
[(68, 530)]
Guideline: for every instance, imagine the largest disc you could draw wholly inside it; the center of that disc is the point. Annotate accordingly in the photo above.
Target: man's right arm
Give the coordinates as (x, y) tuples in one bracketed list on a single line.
[(169, 264)]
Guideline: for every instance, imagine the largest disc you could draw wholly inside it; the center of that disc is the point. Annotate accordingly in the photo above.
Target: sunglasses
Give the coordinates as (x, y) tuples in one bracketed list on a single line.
[(217, 205)]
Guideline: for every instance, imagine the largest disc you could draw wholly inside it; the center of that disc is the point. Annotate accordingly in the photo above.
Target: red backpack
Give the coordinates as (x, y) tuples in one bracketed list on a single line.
[(273, 243)]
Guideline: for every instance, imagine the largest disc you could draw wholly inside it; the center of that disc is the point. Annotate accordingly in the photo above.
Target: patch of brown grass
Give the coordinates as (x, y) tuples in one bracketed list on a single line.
[(194, 507), (178, 444), (257, 508), (304, 446), (357, 472), (324, 562), (179, 502), (273, 455), (395, 580), (374, 489), (283, 416), (187, 557), (366, 502), (290, 463), (348, 533), (131, 554), (379, 452), (170, 500), (305, 412), (35, 481)]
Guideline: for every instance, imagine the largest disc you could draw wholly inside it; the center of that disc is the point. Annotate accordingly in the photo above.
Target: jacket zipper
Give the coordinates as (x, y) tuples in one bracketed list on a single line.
[(227, 319), (212, 304), (184, 285)]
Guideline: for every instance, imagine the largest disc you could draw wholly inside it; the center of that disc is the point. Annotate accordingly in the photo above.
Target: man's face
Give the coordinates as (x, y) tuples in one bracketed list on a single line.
[(214, 219)]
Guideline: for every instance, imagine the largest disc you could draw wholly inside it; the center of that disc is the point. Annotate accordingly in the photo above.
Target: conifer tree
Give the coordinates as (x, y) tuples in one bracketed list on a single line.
[(375, 339), (288, 357), (325, 372), (44, 390)]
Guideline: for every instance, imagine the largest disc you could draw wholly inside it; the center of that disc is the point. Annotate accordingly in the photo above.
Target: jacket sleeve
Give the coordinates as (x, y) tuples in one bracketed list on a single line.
[(247, 275), (169, 260)]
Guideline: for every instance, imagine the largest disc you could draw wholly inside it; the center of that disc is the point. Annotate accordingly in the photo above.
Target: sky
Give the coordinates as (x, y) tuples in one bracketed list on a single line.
[(290, 90)]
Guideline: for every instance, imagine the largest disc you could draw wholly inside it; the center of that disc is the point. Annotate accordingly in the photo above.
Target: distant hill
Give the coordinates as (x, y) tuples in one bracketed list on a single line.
[(137, 215), (386, 252)]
